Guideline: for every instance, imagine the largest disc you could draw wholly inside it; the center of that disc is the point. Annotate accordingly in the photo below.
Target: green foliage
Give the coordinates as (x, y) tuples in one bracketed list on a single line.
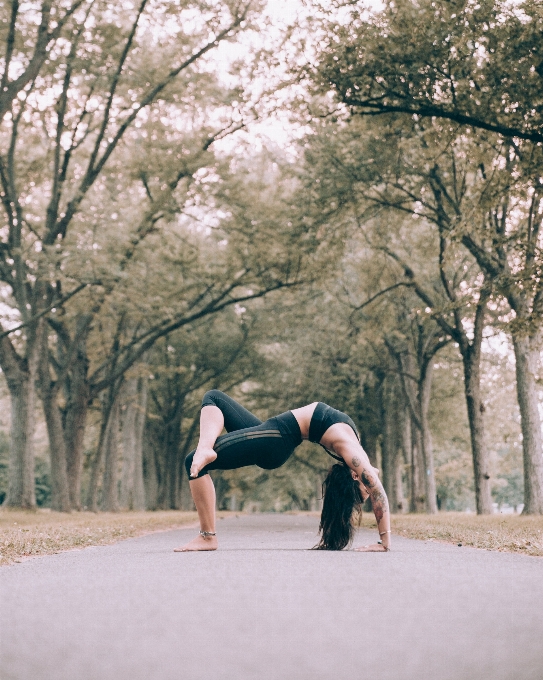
[(290, 276), (472, 63)]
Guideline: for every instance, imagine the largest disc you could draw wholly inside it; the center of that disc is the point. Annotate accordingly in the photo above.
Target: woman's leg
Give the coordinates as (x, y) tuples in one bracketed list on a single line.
[(202, 488), (211, 425), (236, 417), (218, 411), (203, 493)]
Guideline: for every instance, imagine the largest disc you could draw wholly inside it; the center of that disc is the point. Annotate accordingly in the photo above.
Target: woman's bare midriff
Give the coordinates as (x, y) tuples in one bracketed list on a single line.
[(337, 433), (303, 415)]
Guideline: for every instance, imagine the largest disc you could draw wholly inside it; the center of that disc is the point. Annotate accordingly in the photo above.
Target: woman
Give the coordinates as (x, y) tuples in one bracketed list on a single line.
[(269, 444)]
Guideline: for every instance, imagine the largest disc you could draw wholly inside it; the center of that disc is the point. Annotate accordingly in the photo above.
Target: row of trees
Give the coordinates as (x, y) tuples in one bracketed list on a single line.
[(435, 150), (143, 263), (111, 198)]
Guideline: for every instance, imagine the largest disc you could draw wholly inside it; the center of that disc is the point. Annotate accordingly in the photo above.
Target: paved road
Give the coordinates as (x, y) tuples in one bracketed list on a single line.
[(266, 608)]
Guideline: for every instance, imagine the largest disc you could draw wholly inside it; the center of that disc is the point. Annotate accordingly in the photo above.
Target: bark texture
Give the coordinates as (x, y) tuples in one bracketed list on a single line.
[(392, 445), (424, 389), (110, 490), (21, 492), (109, 401), (21, 375), (476, 409), (416, 380), (60, 495), (527, 359), (150, 477), (133, 424), (77, 404), (417, 498)]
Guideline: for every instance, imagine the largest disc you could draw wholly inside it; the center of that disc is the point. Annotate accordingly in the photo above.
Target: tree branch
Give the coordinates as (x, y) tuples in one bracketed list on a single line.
[(96, 164), (57, 303), (10, 89), (132, 352), (378, 109)]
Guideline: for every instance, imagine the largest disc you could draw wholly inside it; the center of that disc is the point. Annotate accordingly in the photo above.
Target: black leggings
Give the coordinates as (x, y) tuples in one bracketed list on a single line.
[(249, 441)]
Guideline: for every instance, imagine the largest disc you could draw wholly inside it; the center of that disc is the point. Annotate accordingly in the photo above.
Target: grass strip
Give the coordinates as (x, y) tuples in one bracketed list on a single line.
[(504, 533), (27, 534)]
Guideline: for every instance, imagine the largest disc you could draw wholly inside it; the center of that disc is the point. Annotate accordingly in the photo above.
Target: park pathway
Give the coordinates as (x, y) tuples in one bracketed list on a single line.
[(264, 607)]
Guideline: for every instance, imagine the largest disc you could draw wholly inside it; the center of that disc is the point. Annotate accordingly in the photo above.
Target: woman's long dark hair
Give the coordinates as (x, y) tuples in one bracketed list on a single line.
[(341, 497)]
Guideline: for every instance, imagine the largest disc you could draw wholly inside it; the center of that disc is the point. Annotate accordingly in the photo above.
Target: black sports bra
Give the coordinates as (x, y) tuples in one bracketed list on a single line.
[(323, 417)]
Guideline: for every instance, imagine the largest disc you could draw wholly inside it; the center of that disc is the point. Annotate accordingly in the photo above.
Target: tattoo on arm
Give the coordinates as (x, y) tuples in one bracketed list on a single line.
[(379, 500), (356, 461), (366, 479), (379, 503)]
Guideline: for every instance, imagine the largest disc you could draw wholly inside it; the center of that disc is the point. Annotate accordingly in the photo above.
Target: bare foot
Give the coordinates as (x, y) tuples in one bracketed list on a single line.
[(202, 457), (199, 543)]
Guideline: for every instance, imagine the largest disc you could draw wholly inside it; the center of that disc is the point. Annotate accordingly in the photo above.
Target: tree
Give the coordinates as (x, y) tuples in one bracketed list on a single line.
[(477, 68), (132, 493), (476, 64), (415, 363), (103, 80), (217, 353), (408, 180), (29, 43)]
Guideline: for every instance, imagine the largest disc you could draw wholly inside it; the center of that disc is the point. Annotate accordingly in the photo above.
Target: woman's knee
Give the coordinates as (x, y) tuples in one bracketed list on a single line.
[(211, 397)]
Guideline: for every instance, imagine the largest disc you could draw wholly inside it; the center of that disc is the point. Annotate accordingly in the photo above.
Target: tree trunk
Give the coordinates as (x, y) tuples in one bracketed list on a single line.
[(527, 357), (417, 499), (424, 389), (96, 469), (110, 492), (475, 406), (21, 486), (403, 453), (108, 400), (138, 493), (128, 427), (429, 467), (76, 419), (417, 395), (60, 495), (150, 470), (392, 446), (21, 377), (173, 442), (132, 489), (184, 494), (168, 438)]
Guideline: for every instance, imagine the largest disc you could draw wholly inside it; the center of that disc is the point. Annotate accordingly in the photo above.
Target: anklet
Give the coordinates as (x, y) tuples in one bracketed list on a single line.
[(205, 534)]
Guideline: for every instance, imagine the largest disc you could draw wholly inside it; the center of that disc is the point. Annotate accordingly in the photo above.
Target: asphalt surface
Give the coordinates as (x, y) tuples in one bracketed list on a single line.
[(264, 607)]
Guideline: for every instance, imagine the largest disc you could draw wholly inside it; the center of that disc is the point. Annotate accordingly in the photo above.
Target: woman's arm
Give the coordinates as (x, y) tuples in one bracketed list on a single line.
[(379, 502), (357, 459)]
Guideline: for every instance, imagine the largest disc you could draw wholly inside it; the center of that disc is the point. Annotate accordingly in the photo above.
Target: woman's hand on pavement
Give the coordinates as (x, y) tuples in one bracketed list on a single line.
[(374, 547)]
